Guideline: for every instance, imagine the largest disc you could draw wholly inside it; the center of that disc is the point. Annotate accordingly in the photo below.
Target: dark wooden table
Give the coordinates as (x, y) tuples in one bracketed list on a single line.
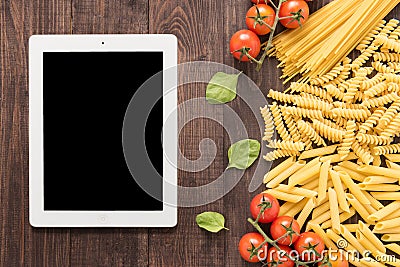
[(203, 28)]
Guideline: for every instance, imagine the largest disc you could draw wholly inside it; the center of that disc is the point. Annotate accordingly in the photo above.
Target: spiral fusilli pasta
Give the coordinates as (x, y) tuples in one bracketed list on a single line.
[(279, 153), (352, 114), (355, 84), (376, 89), (291, 125), (380, 101), (388, 149), (368, 83), (286, 145), (268, 122), (372, 120), (383, 57), (280, 126), (303, 112), (328, 132), (362, 153), (373, 139), (304, 127), (282, 97), (348, 139)]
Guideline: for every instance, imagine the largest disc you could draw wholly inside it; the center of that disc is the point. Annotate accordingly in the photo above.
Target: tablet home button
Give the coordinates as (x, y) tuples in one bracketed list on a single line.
[(103, 218)]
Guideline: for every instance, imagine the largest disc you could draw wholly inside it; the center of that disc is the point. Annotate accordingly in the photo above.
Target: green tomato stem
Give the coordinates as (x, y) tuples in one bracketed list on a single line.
[(271, 36)]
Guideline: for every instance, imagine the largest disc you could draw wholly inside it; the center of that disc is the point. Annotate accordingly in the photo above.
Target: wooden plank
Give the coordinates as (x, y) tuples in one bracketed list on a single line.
[(109, 247), (238, 200), (20, 243), (197, 25)]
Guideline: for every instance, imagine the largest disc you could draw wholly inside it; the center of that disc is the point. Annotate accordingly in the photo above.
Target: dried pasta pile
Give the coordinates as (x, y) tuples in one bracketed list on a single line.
[(330, 34), (338, 131)]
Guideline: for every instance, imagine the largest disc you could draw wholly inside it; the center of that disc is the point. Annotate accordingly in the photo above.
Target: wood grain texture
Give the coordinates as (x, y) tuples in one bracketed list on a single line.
[(196, 25), (20, 243), (203, 28)]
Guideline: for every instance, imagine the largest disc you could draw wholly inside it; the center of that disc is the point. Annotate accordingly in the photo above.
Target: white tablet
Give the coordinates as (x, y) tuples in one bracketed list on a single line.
[(99, 108)]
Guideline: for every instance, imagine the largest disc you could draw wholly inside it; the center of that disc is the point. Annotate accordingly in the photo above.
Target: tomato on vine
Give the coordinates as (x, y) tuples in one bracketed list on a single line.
[(278, 258), (245, 43), (264, 207), (260, 19), (309, 246), (258, 1), (293, 13), (247, 245), (285, 225)]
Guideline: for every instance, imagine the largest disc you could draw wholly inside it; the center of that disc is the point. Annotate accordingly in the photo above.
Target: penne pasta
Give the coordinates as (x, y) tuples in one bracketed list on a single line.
[(351, 239), (393, 157), (305, 212), (386, 195), (375, 170), (367, 244), (297, 191), (381, 225), (395, 230), (379, 187), (319, 231), (318, 152), (353, 227), (391, 237), (279, 169), (379, 180), (374, 203), (323, 217), (285, 174), (392, 215), (337, 183), (338, 157), (312, 184), (388, 259), (343, 217), (323, 181), (354, 189), (393, 247), (303, 176), (353, 174), (370, 262), (286, 207), (337, 238), (395, 205), (320, 209), (297, 208), (334, 210), (359, 208), (371, 236), (392, 165), (284, 196)]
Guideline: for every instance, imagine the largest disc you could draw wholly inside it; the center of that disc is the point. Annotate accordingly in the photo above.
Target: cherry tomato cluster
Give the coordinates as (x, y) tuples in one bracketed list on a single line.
[(285, 232), (245, 45)]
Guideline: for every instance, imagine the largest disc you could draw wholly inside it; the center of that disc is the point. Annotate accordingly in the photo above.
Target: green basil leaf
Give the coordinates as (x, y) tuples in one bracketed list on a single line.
[(222, 88), (211, 221), (243, 153)]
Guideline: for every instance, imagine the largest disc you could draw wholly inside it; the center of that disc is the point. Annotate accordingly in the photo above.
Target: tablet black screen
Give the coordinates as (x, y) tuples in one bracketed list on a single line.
[(86, 95)]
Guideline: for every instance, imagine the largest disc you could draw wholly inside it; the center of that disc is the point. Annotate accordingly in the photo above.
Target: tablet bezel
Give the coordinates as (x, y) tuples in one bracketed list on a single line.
[(38, 44)]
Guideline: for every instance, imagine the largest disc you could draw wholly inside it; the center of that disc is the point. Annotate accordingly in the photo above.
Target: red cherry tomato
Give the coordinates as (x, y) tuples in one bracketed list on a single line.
[(250, 241), (258, 17), (281, 225), (245, 40), (293, 8), (309, 246), (278, 257), (270, 207), (337, 259)]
